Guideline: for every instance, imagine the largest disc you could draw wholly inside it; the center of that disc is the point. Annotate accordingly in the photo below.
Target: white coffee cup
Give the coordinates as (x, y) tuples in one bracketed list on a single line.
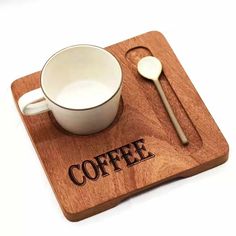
[(81, 85)]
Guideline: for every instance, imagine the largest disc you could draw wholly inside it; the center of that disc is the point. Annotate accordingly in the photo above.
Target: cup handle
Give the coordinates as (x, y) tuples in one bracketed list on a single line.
[(30, 103)]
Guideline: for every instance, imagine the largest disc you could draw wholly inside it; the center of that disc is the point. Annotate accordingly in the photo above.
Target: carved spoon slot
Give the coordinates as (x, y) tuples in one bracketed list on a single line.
[(133, 55)]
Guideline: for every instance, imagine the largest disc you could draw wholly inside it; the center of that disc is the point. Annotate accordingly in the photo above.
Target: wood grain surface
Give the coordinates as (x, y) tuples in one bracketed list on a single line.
[(140, 150)]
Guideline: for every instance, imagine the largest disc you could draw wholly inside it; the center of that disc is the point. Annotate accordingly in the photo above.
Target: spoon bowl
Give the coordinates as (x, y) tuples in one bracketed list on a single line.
[(150, 67)]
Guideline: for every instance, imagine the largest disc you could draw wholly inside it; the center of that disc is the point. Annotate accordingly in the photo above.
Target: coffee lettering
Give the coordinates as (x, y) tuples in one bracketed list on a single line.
[(114, 160)]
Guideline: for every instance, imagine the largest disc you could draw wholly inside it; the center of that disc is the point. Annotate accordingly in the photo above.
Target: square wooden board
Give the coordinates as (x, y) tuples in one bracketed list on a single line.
[(90, 174)]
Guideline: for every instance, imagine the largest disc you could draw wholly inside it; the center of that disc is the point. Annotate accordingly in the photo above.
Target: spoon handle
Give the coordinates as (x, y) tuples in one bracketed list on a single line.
[(171, 114)]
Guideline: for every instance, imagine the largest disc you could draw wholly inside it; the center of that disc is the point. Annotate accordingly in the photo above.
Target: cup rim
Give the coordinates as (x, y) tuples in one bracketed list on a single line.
[(73, 46)]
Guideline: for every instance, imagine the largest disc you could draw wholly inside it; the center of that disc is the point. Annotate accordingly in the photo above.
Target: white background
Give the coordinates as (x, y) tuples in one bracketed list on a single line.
[(203, 36)]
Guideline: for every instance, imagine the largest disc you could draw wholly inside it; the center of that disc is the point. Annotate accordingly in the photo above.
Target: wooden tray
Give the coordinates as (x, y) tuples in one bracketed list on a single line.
[(90, 174)]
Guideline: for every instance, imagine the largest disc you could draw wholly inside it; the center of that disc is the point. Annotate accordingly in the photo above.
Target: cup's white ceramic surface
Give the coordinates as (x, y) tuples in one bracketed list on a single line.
[(81, 85)]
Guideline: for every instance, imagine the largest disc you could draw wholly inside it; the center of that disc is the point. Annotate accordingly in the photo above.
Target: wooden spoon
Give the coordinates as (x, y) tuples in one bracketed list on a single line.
[(150, 68)]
